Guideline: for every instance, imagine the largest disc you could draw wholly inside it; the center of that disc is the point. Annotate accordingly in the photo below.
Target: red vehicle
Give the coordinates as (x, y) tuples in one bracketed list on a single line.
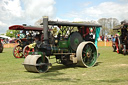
[(24, 38), (1, 47)]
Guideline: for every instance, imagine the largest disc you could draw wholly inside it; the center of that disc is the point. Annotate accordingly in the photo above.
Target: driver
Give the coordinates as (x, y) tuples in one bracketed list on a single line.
[(36, 41), (22, 35)]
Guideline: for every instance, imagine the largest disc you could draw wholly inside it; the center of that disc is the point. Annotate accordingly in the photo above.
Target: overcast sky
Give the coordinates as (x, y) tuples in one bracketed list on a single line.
[(13, 12)]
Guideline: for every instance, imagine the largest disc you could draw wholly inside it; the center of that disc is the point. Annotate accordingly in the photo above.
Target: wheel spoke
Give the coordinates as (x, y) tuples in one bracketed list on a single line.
[(89, 54), (84, 52), (15, 49), (17, 55), (84, 59)]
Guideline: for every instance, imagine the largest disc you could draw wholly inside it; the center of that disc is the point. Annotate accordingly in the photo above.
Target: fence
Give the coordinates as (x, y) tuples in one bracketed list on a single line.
[(101, 43)]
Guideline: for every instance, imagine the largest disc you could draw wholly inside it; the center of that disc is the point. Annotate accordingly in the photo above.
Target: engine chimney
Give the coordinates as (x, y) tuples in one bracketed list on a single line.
[(45, 26)]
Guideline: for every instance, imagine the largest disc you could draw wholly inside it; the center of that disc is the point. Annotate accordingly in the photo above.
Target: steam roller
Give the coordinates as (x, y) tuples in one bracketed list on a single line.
[(35, 63), (69, 47)]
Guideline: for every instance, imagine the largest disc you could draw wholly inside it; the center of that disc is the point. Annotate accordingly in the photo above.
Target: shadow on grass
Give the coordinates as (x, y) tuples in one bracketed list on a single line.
[(56, 68), (3, 52), (113, 81), (63, 80), (110, 81), (55, 75), (98, 63), (60, 67)]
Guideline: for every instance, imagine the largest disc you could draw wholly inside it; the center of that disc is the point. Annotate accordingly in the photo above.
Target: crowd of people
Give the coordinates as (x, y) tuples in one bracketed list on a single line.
[(106, 38), (4, 40)]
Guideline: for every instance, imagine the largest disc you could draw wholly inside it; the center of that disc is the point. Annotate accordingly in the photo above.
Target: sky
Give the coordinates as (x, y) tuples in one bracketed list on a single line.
[(18, 12)]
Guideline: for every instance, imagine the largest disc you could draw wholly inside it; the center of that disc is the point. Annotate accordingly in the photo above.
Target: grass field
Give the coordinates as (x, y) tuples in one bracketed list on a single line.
[(111, 69)]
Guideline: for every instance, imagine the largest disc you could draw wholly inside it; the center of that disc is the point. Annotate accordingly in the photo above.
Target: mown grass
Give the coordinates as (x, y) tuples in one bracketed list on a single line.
[(111, 69)]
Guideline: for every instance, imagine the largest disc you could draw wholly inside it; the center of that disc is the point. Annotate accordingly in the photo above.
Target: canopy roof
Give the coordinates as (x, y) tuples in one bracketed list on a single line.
[(20, 27), (58, 23), (121, 26), (3, 36)]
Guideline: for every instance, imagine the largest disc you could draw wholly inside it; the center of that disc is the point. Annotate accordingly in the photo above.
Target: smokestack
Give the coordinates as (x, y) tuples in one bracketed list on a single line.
[(45, 26), (24, 24)]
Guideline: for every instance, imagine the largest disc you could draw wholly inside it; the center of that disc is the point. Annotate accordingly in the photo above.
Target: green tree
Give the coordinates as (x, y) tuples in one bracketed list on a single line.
[(112, 32), (12, 33), (107, 25)]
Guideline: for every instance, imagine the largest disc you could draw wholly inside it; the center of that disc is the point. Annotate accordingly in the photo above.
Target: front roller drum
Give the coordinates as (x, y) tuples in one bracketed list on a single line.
[(35, 63), (86, 54)]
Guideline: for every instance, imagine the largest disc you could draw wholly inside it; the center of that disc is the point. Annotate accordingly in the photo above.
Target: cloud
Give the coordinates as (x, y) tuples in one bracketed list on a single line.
[(86, 4), (59, 19), (2, 24), (9, 9), (123, 1), (24, 11), (103, 10), (36, 9), (78, 19)]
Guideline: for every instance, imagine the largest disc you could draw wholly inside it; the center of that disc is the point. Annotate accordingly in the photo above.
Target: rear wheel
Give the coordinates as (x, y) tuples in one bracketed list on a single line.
[(1, 47), (26, 50), (18, 51), (86, 54)]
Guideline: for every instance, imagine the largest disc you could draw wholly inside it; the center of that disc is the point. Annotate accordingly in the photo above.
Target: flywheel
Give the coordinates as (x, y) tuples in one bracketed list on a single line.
[(74, 40)]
